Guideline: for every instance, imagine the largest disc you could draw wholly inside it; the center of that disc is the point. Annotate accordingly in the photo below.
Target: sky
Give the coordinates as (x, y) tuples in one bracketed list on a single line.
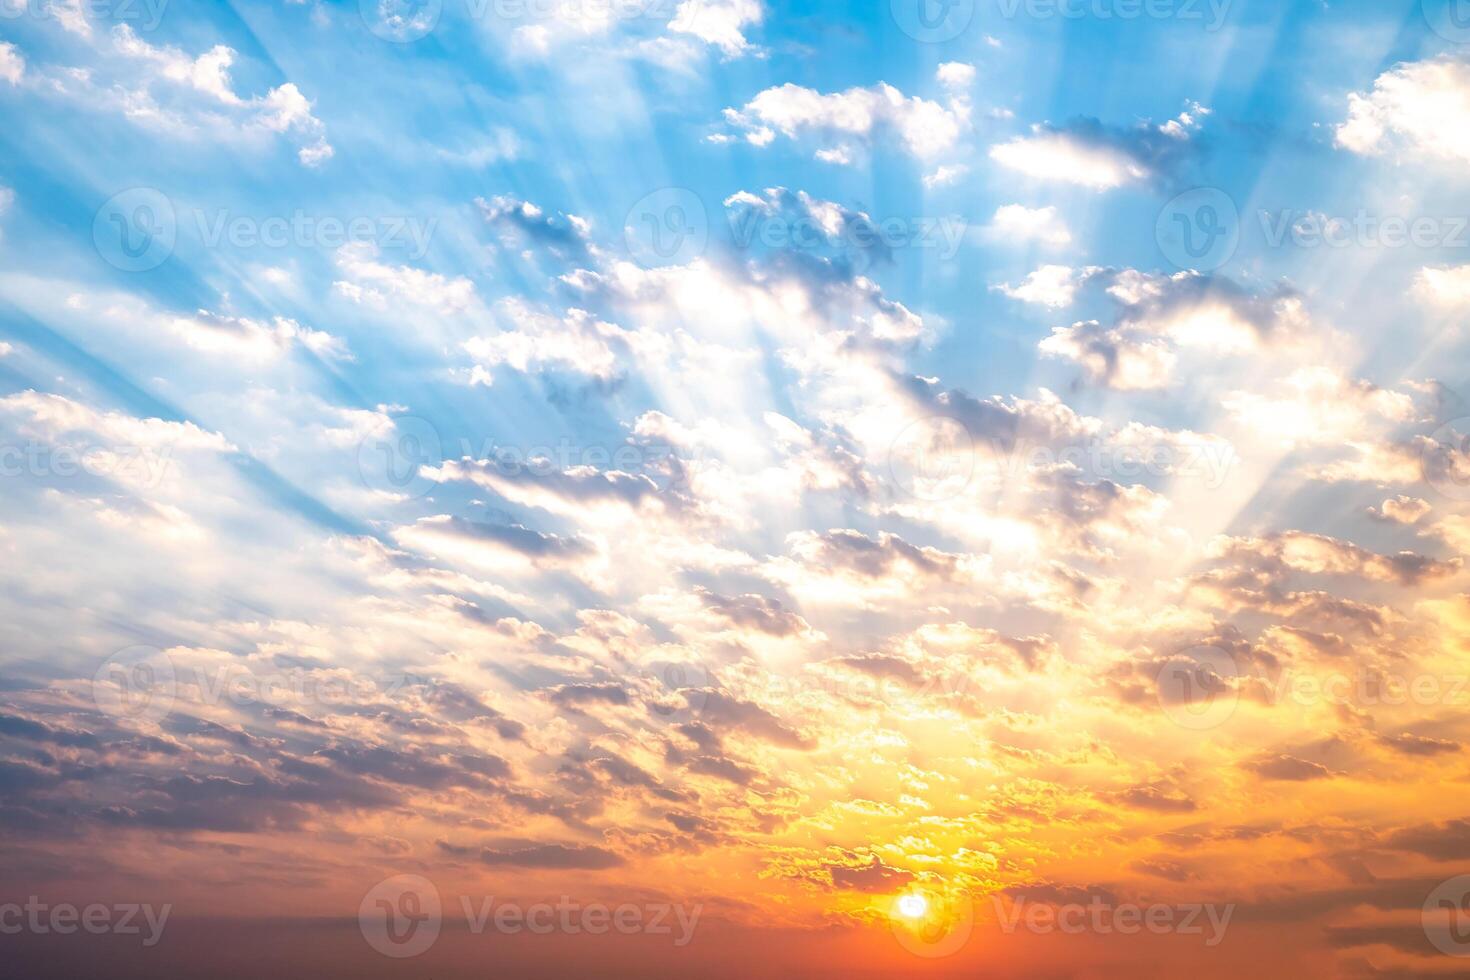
[(920, 488)]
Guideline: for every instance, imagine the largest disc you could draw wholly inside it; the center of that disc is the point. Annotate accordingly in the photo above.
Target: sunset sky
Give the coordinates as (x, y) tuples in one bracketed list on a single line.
[(914, 488)]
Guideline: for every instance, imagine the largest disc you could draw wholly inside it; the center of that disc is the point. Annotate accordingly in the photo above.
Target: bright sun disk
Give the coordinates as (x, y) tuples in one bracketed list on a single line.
[(913, 906)]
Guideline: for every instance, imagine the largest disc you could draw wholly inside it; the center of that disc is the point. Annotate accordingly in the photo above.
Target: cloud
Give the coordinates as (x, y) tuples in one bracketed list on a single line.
[(1049, 285), (1318, 554), (1017, 223), (1288, 768), (944, 175), (1447, 841), (577, 857), (565, 235), (956, 75), (12, 65), (1091, 155), (578, 343), (374, 283), (1111, 357), (924, 128), (1413, 106), (874, 877), (1446, 289), (254, 340), (492, 545), (718, 22), (1401, 510), (283, 109)]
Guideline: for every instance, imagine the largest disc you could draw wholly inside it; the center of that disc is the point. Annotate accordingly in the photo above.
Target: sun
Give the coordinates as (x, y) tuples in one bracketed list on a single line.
[(913, 906)]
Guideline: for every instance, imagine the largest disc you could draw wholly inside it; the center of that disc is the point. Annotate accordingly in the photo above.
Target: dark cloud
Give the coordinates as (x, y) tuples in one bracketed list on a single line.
[(1288, 768), (875, 876), (755, 612), (552, 856), (1448, 841), (720, 710)]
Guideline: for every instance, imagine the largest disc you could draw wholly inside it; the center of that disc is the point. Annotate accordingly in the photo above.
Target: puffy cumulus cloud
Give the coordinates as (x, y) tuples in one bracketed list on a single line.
[(718, 22), (801, 222), (1089, 154), (1418, 106), (1319, 406), (12, 64), (956, 75), (1191, 119), (578, 343), (566, 236), (1298, 551), (142, 66), (1401, 509), (794, 298), (1446, 289), (1111, 357), (372, 282), (1018, 223), (1049, 285), (924, 128), (847, 567), (1159, 318)]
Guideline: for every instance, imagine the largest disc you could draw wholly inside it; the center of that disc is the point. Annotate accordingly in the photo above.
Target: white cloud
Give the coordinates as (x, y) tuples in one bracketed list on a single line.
[(1319, 407), (1186, 122), (1061, 156), (1401, 509), (1050, 285), (254, 340), (718, 22), (372, 282), (1112, 357), (1447, 289), (578, 342), (282, 110), (945, 175), (12, 65), (924, 127), (1015, 222), (1423, 106), (956, 75)]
